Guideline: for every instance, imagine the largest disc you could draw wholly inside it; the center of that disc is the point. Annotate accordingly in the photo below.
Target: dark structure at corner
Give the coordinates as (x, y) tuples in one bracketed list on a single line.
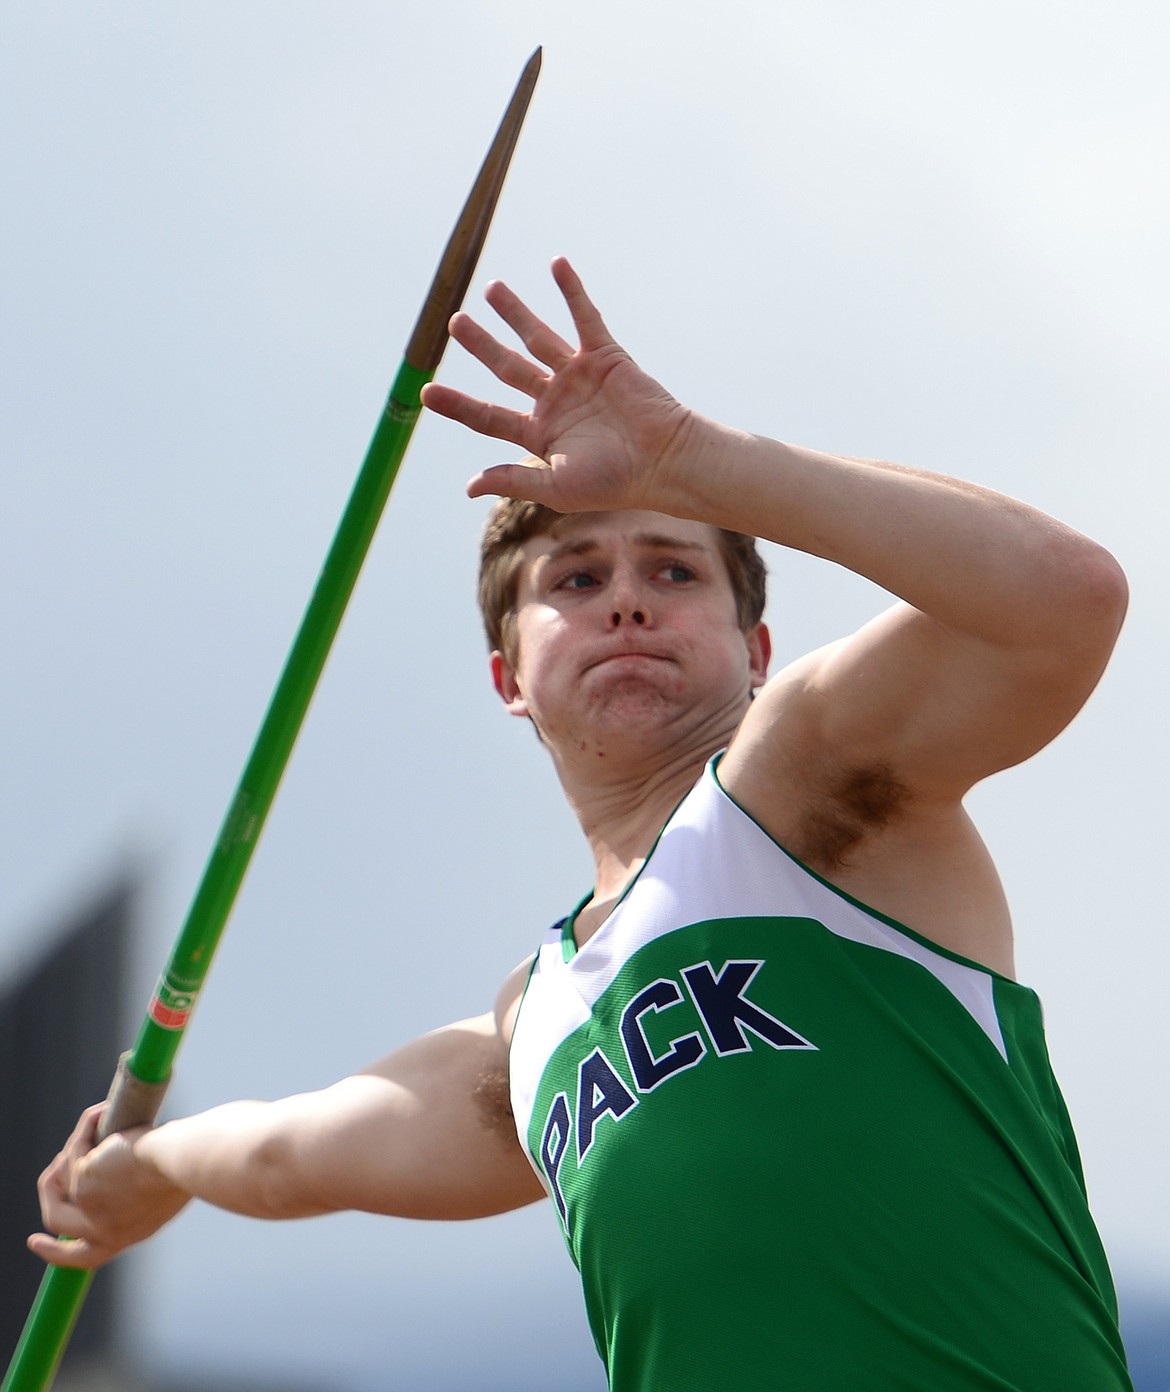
[(62, 1023)]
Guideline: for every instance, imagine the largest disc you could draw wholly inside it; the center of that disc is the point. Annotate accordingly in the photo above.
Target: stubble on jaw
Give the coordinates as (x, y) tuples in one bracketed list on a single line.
[(631, 714)]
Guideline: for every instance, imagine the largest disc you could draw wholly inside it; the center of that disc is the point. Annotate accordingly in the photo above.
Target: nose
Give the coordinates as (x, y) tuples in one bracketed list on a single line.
[(628, 600)]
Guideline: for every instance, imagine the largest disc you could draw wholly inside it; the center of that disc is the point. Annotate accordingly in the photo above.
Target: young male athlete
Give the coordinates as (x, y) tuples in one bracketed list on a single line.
[(795, 1117)]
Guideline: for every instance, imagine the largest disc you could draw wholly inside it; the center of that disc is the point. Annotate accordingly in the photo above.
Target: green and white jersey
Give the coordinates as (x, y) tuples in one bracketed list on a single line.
[(792, 1144)]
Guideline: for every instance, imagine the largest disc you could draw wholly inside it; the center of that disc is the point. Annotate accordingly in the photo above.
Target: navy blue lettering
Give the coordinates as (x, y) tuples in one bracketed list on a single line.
[(599, 1090), (726, 1013), (558, 1127), (684, 1052)]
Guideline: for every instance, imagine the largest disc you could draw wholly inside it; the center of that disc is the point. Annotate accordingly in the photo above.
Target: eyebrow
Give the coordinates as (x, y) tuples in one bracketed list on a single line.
[(652, 541)]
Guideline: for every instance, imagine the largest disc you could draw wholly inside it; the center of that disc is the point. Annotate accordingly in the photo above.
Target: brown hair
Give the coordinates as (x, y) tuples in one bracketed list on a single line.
[(512, 522)]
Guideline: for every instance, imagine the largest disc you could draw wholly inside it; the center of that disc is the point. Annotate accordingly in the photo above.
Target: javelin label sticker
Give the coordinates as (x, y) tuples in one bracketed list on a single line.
[(401, 412), (171, 1009)]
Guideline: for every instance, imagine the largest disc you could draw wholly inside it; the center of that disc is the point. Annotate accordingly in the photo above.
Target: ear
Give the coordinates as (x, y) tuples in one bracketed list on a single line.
[(507, 687), (759, 645)]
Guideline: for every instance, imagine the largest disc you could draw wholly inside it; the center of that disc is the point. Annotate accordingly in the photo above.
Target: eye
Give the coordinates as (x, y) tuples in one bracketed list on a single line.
[(577, 580), (676, 572)]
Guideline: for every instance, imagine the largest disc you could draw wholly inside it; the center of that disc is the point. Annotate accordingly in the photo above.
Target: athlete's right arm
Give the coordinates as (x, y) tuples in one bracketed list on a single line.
[(424, 1133)]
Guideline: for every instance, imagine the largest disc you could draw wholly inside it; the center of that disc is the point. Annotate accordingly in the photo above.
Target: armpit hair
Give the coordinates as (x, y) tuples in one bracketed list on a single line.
[(851, 804), (493, 1100)]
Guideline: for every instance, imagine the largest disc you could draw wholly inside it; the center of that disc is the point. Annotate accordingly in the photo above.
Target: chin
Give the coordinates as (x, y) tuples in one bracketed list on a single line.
[(631, 712)]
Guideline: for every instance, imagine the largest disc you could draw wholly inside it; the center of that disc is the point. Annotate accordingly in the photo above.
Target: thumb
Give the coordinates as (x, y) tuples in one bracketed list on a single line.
[(67, 1251), (531, 480)]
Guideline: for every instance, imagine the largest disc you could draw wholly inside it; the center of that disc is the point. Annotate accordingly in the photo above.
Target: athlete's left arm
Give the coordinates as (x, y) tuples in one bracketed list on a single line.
[(1007, 620)]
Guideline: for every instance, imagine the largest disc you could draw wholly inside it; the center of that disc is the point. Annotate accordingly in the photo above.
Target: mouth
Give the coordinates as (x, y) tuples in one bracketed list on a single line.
[(634, 657)]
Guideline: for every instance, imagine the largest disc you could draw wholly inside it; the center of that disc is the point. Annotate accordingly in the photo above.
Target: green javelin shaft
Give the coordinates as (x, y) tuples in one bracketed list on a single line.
[(137, 1091)]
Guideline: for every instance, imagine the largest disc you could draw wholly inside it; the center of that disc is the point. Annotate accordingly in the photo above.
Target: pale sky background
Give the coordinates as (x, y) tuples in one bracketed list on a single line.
[(932, 232)]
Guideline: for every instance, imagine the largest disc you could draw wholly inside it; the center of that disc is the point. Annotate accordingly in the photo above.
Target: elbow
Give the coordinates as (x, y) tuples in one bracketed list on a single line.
[(1080, 597), (1101, 594), (277, 1185)]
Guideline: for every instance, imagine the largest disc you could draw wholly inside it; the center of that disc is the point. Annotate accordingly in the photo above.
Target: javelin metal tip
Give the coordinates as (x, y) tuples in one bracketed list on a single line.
[(461, 255)]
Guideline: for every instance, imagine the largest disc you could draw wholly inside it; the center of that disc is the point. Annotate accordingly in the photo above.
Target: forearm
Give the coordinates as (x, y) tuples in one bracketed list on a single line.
[(234, 1156), (604, 435), (980, 562), (409, 1137)]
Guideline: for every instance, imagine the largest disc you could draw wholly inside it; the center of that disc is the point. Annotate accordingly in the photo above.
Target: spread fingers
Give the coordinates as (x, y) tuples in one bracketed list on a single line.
[(512, 368)]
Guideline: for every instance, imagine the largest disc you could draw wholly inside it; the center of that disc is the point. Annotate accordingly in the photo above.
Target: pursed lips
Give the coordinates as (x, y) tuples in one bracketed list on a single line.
[(623, 655)]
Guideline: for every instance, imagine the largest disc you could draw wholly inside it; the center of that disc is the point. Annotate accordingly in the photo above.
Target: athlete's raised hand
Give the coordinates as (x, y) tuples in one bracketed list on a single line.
[(600, 433)]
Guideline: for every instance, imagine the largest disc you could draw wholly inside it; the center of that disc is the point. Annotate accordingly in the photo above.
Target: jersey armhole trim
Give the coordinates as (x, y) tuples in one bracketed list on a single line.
[(920, 938)]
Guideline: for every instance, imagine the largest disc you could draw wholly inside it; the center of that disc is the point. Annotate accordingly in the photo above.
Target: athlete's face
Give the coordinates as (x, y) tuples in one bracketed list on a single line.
[(626, 623)]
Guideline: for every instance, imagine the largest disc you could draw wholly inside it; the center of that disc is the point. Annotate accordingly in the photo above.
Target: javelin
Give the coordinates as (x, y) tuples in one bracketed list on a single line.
[(140, 1083)]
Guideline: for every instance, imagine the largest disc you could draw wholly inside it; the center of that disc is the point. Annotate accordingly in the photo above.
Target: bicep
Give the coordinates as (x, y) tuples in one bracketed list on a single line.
[(938, 708), (424, 1133), (951, 707)]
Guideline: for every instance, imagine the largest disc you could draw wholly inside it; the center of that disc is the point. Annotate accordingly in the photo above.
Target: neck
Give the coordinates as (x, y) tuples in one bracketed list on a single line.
[(622, 798)]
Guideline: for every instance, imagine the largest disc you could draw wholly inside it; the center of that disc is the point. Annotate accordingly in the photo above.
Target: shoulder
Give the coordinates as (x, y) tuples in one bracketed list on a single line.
[(838, 797), (508, 999), (793, 767)]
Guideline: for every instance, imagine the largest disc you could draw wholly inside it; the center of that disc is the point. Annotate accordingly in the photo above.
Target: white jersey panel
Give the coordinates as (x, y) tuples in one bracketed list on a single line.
[(712, 861)]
